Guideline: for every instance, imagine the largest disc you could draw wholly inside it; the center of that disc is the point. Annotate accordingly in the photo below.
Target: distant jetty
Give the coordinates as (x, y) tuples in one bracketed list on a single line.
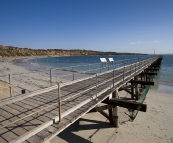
[(11, 51)]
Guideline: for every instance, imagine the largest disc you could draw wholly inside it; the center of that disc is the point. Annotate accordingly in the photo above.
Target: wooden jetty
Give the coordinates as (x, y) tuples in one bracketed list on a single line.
[(40, 115)]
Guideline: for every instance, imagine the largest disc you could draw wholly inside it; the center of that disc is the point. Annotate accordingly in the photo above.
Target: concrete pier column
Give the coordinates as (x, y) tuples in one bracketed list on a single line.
[(136, 88), (115, 110)]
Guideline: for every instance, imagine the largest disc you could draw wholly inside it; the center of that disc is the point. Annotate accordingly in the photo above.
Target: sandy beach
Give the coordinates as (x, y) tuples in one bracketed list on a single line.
[(23, 78), (156, 125), (30, 76)]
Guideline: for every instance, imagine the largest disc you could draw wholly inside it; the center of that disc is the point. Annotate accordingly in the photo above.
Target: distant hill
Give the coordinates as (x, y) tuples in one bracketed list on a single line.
[(11, 51)]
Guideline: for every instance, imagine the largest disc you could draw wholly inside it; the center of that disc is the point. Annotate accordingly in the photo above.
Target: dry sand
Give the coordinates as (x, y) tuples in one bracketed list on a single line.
[(156, 125), (30, 76)]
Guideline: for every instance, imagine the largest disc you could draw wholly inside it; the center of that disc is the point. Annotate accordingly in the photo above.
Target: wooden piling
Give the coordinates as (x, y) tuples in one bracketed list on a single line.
[(132, 91), (115, 110), (136, 88)]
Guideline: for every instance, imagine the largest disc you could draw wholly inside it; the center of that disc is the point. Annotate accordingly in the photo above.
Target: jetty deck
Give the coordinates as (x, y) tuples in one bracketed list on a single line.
[(39, 116)]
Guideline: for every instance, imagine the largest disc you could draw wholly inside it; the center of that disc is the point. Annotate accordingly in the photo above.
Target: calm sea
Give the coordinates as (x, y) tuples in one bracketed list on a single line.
[(163, 81)]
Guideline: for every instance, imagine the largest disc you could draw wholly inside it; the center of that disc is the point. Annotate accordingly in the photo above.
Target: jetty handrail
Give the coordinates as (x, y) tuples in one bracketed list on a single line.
[(60, 100), (139, 66), (124, 72), (67, 83), (99, 68), (48, 68), (73, 73)]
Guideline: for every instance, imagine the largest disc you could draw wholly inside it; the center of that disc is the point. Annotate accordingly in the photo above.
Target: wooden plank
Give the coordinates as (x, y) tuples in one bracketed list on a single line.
[(127, 104), (3, 131), (13, 111), (24, 137), (45, 101), (17, 130), (9, 136), (35, 106), (1, 118), (26, 106), (24, 96), (18, 108), (48, 97), (2, 140), (43, 134), (34, 139), (5, 114)]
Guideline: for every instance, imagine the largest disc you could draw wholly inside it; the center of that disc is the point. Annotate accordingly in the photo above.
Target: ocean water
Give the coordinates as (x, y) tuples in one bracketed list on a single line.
[(81, 63), (163, 81)]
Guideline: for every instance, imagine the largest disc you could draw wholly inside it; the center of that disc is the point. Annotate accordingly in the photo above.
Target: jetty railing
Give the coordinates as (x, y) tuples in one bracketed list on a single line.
[(133, 69), (50, 76), (124, 72)]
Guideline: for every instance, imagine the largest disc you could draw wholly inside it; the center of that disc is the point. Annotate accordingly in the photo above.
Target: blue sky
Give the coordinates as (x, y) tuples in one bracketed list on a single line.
[(116, 25)]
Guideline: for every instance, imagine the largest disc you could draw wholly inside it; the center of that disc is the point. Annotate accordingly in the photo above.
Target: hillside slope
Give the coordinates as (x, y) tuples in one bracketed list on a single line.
[(10, 51)]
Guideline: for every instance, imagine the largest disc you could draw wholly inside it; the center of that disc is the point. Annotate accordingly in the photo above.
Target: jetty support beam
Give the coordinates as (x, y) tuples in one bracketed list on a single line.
[(127, 104), (136, 88), (142, 82), (101, 108), (152, 69), (156, 65), (149, 73)]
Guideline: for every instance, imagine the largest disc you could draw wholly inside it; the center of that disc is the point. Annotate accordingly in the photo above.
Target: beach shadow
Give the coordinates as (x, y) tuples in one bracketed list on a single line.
[(94, 125), (69, 136), (97, 125)]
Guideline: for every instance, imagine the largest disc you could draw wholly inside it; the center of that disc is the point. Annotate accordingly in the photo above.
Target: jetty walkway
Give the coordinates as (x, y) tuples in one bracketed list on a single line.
[(40, 115)]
